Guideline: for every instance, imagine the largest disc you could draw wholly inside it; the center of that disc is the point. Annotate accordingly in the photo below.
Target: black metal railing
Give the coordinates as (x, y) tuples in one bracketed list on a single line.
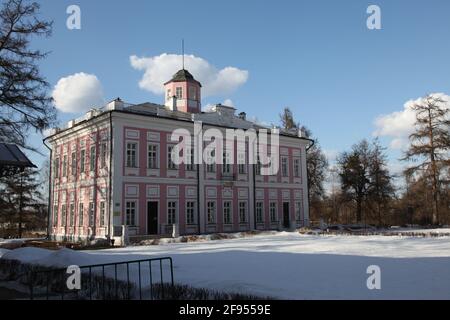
[(136, 280)]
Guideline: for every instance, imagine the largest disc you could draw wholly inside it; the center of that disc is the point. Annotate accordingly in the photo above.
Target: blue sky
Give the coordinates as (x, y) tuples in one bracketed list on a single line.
[(316, 57)]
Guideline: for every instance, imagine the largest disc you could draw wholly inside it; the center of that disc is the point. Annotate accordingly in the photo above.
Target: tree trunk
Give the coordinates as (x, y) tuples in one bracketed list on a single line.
[(358, 211)]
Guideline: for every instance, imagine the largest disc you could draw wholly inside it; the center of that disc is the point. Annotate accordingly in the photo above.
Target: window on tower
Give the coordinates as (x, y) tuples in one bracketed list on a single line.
[(192, 93), (179, 92)]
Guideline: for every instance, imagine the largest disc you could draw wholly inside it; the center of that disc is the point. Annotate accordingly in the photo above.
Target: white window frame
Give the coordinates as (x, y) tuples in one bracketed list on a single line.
[(170, 164), (55, 215), (73, 163), (211, 167), (72, 214), (209, 214), (259, 211), (284, 167), (102, 210), (226, 165), (91, 212), (63, 215), (83, 160), (276, 211), (174, 213), (128, 213), (297, 164), (156, 160), (190, 157), (188, 222), (103, 154), (81, 214), (179, 93), (230, 212), (129, 157), (92, 158), (245, 212), (64, 165)]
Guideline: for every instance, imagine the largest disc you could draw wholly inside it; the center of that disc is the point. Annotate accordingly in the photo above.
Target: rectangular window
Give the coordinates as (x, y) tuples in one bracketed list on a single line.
[(56, 168), (211, 166), (81, 214), (73, 166), (64, 168), (273, 212), (63, 215), (171, 212), (259, 212), (91, 214), (242, 212), (131, 155), (211, 212), (152, 157), (179, 92), (82, 160), (298, 207), (190, 212), (190, 160), (130, 213), (72, 215), (284, 167), (241, 163), (102, 213), (92, 159), (192, 93), (227, 212), (55, 215), (170, 164), (297, 168), (103, 155), (226, 167)]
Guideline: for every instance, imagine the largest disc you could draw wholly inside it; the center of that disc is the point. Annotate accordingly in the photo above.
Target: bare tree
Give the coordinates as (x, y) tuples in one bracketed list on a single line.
[(430, 144), (24, 103), (381, 189)]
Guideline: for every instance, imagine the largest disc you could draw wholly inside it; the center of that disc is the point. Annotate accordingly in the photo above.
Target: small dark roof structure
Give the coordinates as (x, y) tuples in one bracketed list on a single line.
[(183, 75), (12, 156)]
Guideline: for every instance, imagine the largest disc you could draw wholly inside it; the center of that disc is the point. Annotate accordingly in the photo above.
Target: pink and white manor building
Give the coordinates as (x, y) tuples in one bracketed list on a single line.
[(113, 176)]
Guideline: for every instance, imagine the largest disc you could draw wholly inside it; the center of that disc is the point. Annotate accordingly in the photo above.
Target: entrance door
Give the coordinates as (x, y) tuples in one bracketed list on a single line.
[(286, 216), (152, 218)]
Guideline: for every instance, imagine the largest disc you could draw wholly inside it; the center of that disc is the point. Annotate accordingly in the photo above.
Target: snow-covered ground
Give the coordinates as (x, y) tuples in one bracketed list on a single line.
[(290, 265)]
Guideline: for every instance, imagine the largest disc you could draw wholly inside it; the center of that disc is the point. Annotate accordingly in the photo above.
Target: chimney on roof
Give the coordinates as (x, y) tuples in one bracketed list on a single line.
[(243, 116), (116, 104)]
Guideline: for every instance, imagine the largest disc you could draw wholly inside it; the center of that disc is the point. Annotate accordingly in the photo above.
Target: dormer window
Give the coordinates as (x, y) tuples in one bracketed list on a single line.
[(179, 93)]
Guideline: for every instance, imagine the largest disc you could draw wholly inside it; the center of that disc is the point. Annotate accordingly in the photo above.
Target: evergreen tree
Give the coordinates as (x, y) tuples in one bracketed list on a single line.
[(430, 144), (21, 200)]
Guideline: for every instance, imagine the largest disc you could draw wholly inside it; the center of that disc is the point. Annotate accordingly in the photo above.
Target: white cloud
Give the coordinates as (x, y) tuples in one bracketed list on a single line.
[(228, 103), (400, 124), (160, 69), (78, 93)]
